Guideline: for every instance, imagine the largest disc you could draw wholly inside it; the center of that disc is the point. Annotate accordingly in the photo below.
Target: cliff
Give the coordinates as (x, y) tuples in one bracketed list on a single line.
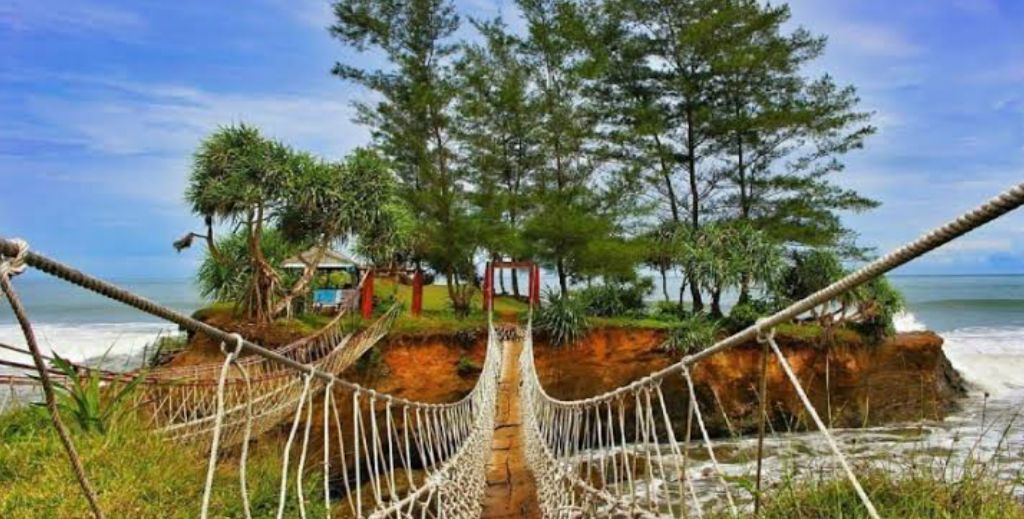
[(907, 377)]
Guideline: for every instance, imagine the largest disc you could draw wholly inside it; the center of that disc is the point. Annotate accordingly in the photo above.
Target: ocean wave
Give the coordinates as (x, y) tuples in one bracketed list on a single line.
[(908, 322), (86, 342), (991, 357)]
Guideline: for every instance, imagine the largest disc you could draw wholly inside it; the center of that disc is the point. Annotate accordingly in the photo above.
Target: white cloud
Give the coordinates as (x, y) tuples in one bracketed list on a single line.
[(127, 117), (69, 17), (138, 137), (871, 39)]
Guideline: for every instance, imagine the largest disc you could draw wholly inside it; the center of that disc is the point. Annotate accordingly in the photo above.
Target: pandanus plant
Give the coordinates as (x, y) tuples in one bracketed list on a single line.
[(83, 395)]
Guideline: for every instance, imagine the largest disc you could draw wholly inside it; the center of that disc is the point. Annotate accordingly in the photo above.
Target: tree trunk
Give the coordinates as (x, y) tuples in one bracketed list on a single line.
[(716, 302), (691, 163), (515, 283), (664, 282), (563, 281)]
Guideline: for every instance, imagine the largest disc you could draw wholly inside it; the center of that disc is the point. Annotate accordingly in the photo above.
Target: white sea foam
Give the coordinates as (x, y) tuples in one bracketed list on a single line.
[(991, 357), (908, 322), (82, 342)]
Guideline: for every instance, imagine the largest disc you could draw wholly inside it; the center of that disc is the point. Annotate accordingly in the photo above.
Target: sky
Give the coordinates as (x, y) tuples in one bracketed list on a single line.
[(103, 102)]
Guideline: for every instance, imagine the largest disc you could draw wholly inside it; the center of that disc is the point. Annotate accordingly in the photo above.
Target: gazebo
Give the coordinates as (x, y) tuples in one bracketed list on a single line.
[(331, 293)]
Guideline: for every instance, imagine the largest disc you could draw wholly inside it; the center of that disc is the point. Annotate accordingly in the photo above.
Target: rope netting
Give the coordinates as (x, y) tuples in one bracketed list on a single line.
[(631, 452), (393, 457)]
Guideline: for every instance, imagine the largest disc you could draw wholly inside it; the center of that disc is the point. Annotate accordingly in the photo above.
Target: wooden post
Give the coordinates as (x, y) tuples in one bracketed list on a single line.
[(366, 297), (417, 293), (535, 285), (488, 285)]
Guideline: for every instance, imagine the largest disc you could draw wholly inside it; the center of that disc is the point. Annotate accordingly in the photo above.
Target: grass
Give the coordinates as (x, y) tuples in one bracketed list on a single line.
[(916, 494), (136, 474)]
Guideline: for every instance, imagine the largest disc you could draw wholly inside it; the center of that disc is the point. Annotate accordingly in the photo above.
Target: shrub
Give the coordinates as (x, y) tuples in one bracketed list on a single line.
[(562, 319), (878, 302), (692, 334), (82, 396), (747, 313), (614, 299), (667, 311)]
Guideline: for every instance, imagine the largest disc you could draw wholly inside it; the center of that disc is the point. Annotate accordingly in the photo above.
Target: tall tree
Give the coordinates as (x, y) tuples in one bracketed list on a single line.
[(672, 45), (412, 122), (783, 134), (570, 209), (498, 135), (262, 188)]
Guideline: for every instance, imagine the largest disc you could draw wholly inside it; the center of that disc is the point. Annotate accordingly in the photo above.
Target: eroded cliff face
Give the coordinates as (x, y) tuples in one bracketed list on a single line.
[(905, 378)]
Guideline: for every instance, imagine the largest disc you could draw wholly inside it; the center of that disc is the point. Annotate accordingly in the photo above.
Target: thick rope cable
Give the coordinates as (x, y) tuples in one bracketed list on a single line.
[(1005, 202), (12, 262)]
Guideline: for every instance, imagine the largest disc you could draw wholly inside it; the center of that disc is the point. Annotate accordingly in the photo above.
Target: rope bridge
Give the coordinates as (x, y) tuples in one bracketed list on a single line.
[(618, 454), (394, 457)]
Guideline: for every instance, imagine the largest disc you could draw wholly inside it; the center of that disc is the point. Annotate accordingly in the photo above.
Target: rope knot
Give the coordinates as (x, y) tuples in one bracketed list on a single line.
[(11, 266), (762, 336), (237, 350)]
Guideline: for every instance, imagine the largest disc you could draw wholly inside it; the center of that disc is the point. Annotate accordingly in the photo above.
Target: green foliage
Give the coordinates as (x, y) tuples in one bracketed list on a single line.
[(912, 493), (807, 272), (667, 311), (229, 275), (692, 334), (562, 318), (870, 308), (412, 121), (86, 398), (613, 299), (747, 313), (878, 302), (269, 192)]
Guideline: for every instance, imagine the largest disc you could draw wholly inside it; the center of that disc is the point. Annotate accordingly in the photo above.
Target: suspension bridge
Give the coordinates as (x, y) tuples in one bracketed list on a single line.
[(506, 449)]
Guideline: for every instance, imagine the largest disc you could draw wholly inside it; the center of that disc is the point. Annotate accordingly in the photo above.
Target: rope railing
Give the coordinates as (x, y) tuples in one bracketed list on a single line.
[(606, 454), (439, 448)]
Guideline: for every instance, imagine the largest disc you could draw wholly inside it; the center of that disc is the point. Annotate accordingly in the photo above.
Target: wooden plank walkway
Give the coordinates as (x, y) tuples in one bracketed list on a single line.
[(511, 489)]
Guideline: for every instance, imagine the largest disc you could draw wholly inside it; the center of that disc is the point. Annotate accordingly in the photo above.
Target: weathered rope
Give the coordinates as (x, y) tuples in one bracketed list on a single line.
[(12, 262), (823, 428), (1007, 201), (211, 467)]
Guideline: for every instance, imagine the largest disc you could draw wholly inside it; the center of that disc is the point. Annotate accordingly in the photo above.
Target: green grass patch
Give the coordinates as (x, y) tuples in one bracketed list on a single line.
[(914, 495), (136, 474)]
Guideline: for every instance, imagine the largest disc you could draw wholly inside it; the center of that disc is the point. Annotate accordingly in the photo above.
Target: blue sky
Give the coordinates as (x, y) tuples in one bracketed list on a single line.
[(102, 103)]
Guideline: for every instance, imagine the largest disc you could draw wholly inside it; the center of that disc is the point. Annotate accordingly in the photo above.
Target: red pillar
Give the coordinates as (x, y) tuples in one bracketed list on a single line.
[(535, 285), (488, 285), (417, 293), (366, 298)]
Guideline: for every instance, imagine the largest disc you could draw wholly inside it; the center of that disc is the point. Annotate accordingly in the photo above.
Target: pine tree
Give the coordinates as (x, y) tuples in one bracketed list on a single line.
[(412, 123), (498, 133)]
